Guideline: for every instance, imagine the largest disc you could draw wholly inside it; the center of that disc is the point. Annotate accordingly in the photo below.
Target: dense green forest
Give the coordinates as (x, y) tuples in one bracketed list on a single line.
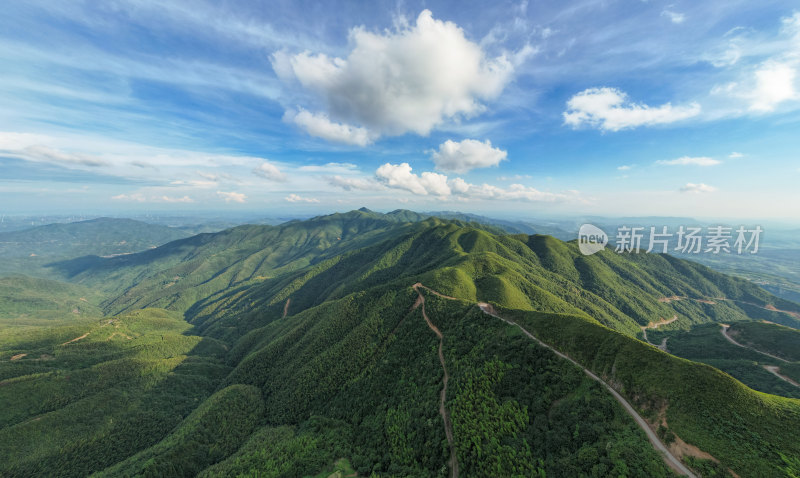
[(302, 350), (765, 346)]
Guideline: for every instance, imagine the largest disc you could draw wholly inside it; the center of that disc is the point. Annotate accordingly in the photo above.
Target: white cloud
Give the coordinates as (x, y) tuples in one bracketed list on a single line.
[(516, 177), (232, 196), (193, 183), (697, 188), (184, 199), (12, 141), (295, 198), (609, 109), (690, 161), (735, 155), (136, 197), (269, 171), (318, 124), (624, 167), (674, 17), (329, 168), (411, 79), (47, 154), (400, 177), (768, 75), (35, 147), (218, 177), (774, 84), (515, 192), (350, 184), (466, 155), (139, 197)]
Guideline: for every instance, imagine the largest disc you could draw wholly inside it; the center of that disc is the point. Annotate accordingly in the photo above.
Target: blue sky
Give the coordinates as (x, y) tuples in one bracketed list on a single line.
[(522, 109)]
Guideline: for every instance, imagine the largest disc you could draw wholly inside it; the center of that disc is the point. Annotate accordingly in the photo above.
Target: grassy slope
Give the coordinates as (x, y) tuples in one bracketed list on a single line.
[(27, 301), (74, 407)]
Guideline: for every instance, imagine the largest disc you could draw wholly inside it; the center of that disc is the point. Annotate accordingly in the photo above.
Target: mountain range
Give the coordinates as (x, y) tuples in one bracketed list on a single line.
[(397, 344)]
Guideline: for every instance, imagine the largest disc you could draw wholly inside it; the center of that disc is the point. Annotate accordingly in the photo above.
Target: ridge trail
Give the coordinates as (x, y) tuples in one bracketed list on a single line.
[(671, 460), (448, 424)]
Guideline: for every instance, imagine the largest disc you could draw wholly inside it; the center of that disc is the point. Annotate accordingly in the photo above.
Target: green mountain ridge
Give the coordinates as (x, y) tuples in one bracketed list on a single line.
[(310, 349)]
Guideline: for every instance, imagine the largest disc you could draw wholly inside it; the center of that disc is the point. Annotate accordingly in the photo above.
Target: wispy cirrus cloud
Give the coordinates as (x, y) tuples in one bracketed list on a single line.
[(610, 109), (269, 171), (689, 161), (139, 197), (763, 70)]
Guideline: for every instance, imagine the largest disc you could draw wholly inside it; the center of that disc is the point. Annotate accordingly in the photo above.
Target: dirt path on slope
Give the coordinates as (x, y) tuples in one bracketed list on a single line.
[(419, 284), (775, 370), (655, 325), (448, 425), (671, 298), (669, 458), (76, 339), (724, 331), (286, 308), (769, 307)]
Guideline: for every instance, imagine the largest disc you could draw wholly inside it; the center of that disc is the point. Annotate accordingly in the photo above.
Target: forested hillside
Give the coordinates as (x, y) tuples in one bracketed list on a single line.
[(299, 349), (29, 251)]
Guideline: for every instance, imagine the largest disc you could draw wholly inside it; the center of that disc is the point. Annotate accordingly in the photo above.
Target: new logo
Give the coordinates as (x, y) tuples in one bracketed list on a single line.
[(591, 239)]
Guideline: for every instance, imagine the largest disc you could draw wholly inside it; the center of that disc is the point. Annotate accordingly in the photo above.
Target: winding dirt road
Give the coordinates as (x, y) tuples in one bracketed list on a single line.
[(655, 325), (669, 458), (448, 424), (710, 300), (775, 370), (724, 331)]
